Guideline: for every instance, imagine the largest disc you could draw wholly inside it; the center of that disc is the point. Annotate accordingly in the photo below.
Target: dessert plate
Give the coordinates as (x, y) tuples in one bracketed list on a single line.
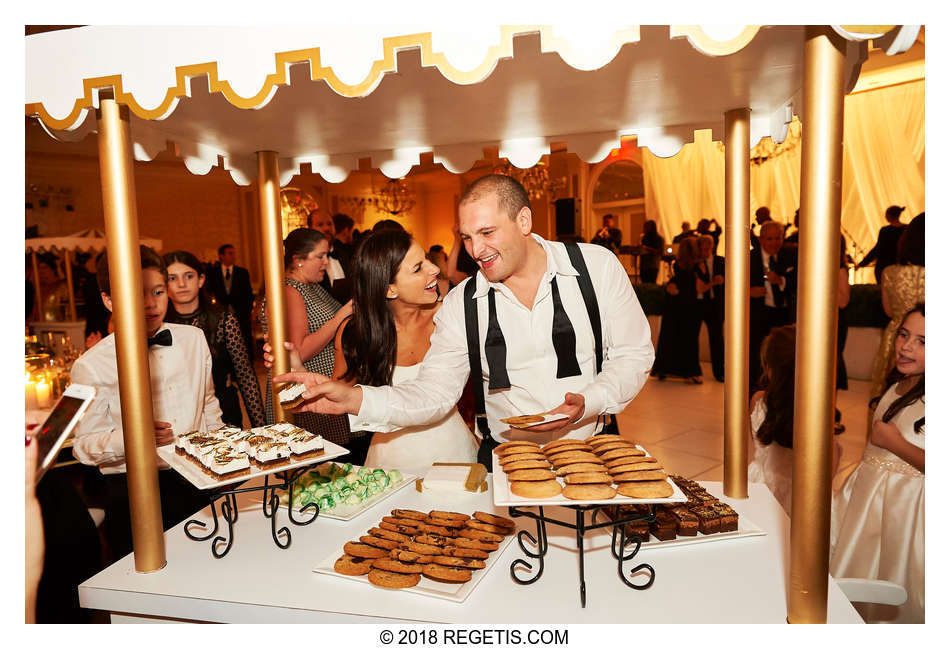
[(746, 529), (193, 473), (426, 586), (504, 498), (349, 512)]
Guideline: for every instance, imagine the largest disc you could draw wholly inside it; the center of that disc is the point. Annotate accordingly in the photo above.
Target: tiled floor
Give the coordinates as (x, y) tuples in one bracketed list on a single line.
[(682, 425)]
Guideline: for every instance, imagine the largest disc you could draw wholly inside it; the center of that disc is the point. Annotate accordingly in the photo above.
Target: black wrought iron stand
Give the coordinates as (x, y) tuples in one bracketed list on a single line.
[(581, 527), (270, 503)]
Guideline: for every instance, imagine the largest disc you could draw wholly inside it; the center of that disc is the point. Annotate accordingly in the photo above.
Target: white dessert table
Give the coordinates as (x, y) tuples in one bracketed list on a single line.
[(736, 581)]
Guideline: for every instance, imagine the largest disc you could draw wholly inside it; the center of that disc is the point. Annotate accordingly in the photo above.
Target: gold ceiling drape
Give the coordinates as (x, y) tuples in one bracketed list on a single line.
[(883, 165)]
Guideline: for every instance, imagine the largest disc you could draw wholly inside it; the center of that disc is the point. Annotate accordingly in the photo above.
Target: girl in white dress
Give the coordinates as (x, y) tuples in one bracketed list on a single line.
[(771, 418), (880, 509), (394, 301)]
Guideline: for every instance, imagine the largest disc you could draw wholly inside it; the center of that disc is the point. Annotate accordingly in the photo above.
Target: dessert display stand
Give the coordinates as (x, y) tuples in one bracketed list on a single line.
[(618, 544), (270, 503)]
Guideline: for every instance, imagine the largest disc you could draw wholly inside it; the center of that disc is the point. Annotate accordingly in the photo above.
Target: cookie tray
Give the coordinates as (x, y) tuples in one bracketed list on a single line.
[(193, 473), (504, 498), (427, 587)]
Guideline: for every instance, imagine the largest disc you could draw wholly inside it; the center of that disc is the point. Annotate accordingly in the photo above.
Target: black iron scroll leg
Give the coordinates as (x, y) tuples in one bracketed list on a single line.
[(270, 511), (542, 547), (229, 513), (580, 529), (309, 507), (197, 523), (618, 552)]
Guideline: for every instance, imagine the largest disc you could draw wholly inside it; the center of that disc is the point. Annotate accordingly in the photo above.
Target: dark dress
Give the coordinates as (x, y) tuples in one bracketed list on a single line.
[(230, 362), (677, 350), (650, 262), (321, 307)]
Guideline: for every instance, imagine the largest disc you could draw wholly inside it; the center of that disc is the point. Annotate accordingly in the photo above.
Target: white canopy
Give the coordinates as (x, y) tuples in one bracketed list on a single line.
[(90, 240), (330, 95)]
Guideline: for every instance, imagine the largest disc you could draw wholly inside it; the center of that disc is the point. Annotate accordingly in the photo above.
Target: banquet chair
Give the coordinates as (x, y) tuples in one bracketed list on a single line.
[(872, 591)]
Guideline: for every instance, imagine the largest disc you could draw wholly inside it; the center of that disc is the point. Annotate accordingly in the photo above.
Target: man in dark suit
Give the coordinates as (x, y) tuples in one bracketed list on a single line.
[(609, 236), (230, 285), (710, 291), (772, 276)]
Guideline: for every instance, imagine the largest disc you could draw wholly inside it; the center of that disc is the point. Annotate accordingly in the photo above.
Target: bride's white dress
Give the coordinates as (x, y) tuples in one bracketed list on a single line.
[(414, 449)]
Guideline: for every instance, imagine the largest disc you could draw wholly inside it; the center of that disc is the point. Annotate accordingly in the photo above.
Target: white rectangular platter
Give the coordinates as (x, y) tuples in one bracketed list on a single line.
[(746, 529), (193, 473), (349, 512), (504, 498), (426, 587)]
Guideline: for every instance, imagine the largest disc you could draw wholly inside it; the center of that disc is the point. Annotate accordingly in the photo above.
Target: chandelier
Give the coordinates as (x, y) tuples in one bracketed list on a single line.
[(396, 197), (536, 180), (295, 207)]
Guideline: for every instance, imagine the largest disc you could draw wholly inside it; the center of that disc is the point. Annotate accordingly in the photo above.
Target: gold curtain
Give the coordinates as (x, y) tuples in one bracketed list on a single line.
[(883, 165)]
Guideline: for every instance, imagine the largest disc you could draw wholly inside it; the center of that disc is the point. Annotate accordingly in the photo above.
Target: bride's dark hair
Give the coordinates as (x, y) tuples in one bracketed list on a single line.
[(369, 336)]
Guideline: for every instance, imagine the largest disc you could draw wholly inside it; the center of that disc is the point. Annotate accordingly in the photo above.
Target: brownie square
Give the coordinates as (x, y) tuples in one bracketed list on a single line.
[(664, 527), (687, 523), (638, 528), (728, 518), (708, 519)]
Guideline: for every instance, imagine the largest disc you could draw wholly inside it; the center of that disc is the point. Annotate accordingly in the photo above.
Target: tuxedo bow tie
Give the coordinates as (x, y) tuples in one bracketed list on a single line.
[(163, 338)]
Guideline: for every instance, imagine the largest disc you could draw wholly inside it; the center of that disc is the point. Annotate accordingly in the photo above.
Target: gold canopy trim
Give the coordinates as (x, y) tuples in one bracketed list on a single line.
[(283, 60)]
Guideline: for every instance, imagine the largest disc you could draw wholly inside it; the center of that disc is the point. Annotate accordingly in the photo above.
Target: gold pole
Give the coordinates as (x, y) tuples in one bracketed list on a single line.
[(125, 278), (69, 283), (823, 126), (38, 294), (268, 183), (736, 437)]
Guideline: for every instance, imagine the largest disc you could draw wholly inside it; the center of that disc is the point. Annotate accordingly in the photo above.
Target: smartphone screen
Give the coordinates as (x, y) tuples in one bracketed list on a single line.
[(49, 432)]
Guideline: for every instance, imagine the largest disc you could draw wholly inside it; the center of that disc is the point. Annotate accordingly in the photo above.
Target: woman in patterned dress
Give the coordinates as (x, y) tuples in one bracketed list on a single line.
[(190, 305), (313, 317)]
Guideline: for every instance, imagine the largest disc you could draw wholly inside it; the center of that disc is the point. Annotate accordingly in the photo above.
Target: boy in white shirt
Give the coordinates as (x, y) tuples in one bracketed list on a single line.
[(182, 400)]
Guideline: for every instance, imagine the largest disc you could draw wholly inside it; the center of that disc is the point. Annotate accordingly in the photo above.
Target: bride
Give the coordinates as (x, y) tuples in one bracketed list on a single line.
[(394, 301)]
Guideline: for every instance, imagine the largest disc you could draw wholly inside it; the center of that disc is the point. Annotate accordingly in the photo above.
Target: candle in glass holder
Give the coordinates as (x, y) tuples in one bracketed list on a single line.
[(43, 393), (30, 394)]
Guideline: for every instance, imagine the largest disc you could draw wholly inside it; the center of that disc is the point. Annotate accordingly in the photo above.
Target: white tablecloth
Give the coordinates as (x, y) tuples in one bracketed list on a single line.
[(742, 580)]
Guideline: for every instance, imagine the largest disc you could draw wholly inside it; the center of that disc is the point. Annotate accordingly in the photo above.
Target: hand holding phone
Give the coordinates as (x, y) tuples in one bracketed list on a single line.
[(52, 433)]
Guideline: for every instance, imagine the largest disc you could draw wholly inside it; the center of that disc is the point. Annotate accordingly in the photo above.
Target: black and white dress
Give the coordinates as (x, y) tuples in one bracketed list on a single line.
[(321, 307)]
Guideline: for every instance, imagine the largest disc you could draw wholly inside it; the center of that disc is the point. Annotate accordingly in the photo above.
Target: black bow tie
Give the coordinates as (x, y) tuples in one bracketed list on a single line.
[(163, 337)]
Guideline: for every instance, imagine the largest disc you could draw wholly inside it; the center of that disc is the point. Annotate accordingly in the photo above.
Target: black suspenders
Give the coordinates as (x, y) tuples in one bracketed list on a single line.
[(474, 348)]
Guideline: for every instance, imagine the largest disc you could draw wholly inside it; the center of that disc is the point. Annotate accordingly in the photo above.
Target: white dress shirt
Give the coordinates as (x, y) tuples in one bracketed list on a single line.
[(334, 270), (182, 395), (769, 296), (531, 360)]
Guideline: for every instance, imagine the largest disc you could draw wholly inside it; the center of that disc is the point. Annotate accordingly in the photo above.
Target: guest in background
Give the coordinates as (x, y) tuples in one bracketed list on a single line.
[(762, 216), (230, 285), (652, 244), (710, 290), (313, 317), (609, 236), (333, 279), (98, 317), (902, 286), (53, 290), (685, 231), (231, 367), (677, 349), (343, 248), (771, 418), (387, 224), (884, 252), (460, 263), (879, 512), (438, 257), (712, 228), (791, 241), (772, 280)]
